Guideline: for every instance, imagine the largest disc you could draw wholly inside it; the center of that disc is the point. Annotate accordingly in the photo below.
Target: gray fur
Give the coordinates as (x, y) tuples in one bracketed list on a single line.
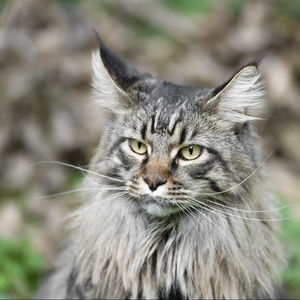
[(209, 232)]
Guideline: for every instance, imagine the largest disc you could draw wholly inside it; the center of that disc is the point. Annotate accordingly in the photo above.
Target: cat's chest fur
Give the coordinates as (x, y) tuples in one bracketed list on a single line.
[(165, 260)]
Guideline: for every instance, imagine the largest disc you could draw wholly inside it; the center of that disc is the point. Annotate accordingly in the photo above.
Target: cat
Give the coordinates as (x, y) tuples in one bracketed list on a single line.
[(178, 205)]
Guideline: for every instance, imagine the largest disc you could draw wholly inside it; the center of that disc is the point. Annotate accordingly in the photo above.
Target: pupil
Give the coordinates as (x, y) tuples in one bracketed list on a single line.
[(139, 144), (191, 150)]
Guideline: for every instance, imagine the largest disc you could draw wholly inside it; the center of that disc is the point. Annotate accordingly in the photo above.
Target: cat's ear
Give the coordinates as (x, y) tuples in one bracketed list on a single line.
[(113, 76), (240, 99)]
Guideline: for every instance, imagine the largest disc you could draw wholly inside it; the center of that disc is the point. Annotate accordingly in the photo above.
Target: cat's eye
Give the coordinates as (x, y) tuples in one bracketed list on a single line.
[(190, 152), (138, 147)]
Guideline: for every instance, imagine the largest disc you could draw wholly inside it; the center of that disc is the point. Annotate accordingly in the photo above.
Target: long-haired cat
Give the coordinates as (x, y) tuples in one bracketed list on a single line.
[(178, 206)]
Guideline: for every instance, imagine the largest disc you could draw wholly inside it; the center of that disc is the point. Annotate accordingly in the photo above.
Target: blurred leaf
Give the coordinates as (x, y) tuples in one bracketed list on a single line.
[(290, 238), (75, 178), (142, 28), (20, 268), (236, 6), (290, 8), (188, 6), (2, 4)]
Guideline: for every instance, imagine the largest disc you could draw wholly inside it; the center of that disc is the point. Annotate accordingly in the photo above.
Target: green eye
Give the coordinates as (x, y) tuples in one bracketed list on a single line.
[(138, 147), (190, 152)]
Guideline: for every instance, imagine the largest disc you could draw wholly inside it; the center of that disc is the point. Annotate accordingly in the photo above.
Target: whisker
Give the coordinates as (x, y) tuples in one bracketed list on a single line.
[(93, 204), (90, 165), (243, 181), (209, 219), (132, 187), (217, 211), (80, 190), (220, 228), (208, 208), (76, 167), (183, 209), (244, 201), (244, 210), (204, 215)]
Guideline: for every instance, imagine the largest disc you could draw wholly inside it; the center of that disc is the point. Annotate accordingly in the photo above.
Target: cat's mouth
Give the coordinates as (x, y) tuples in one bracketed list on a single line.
[(158, 206)]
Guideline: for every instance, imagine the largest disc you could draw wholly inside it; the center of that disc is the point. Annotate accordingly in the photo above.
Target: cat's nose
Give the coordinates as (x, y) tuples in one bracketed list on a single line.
[(154, 182)]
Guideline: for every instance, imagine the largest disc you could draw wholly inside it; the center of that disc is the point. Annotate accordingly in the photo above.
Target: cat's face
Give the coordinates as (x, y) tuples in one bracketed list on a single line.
[(171, 145), (166, 156)]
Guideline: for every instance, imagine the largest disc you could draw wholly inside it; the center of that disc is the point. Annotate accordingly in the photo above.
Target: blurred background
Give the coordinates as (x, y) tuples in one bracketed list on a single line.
[(46, 112)]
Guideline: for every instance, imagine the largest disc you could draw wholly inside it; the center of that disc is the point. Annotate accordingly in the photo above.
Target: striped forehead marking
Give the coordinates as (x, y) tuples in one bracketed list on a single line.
[(164, 120)]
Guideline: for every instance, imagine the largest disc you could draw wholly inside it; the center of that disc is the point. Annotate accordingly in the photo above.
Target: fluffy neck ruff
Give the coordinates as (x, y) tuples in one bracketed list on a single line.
[(122, 253)]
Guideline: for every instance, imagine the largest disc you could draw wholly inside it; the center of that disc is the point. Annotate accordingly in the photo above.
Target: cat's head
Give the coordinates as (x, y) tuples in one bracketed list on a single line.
[(175, 145)]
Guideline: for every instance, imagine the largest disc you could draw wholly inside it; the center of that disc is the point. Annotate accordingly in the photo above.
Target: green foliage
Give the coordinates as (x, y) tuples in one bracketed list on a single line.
[(289, 8), (234, 7), (291, 240), (20, 267), (143, 29), (188, 6), (2, 4), (75, 179)]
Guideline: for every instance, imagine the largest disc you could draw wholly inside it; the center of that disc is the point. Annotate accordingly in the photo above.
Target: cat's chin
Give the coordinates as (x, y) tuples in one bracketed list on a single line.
[(156, 209)]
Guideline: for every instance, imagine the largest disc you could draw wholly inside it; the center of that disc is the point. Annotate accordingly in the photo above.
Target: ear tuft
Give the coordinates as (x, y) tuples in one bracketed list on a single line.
[(105, 91), (113, 78), (242, 98)]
